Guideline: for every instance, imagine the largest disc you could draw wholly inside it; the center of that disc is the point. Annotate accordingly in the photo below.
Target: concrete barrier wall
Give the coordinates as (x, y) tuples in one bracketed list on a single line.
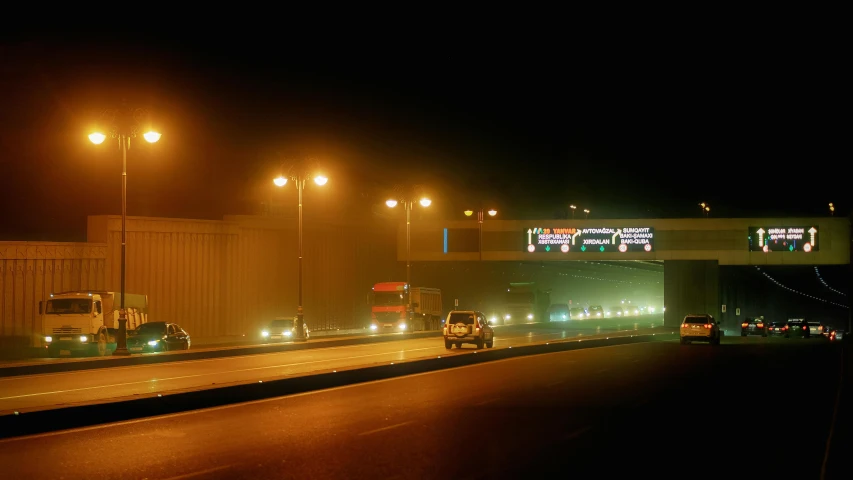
[(31, 271)]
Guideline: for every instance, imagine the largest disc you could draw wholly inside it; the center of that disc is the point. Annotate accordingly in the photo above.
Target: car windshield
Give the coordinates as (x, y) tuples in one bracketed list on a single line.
[(461, 317), (388, 299), (701, 320), (69, 305), (285, 323), (153, 328)]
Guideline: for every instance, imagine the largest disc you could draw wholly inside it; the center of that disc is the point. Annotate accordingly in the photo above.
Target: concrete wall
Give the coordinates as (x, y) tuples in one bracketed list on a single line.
[(690, 286), (30, 271)]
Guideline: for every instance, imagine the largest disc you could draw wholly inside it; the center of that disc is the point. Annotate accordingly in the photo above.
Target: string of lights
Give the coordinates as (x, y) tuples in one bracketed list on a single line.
[(780, 284), (817, 272)]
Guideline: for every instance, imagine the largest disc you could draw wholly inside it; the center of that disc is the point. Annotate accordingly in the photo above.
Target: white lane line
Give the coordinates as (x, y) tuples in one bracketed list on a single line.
[(200, 472), (75, 431), (577, 433), (390, 427)]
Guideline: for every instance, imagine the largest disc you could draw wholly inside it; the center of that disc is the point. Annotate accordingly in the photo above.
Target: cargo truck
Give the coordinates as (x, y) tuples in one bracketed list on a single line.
[(389, 303), (86, 322), (525, 303)]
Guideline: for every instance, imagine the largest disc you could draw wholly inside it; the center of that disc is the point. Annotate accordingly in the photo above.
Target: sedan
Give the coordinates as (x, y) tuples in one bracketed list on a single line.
[(158, 337), (753, 326)]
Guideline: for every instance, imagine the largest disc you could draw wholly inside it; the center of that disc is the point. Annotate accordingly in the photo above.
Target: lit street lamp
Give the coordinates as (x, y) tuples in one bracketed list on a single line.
[(124, 125), (831, 209), (586, 213), (706, 209), (281, 181), (492, 212), (573, 211), (408, 203)]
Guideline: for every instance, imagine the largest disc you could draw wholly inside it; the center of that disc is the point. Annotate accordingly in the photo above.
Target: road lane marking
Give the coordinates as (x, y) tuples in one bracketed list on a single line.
[(278, 399), (390, 427), (200, 472)]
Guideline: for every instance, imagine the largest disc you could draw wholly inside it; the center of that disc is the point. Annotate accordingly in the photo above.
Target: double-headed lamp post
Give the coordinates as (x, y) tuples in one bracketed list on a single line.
[(281, 181), (586, 212), (124, 126), (492, 212), (408, 203)]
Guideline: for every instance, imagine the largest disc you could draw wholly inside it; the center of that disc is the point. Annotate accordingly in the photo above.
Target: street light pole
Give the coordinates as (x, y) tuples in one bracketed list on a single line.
[(124, 126), (300, 331), (409, 316)]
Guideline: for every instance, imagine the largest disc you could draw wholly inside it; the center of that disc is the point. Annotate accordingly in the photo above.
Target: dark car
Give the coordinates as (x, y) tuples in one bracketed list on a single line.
[(816, 329), (777, 329), (753, 326), (158, 337), (798, 327)]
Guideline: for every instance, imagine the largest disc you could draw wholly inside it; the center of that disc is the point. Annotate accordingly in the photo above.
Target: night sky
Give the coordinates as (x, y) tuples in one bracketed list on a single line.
[(526, 125)]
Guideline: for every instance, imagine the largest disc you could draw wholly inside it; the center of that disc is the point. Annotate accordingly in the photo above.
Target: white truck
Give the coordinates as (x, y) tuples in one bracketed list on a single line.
[(86, 322)]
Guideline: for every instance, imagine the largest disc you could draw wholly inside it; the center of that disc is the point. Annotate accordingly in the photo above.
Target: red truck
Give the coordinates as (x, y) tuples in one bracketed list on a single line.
[(389, 303)]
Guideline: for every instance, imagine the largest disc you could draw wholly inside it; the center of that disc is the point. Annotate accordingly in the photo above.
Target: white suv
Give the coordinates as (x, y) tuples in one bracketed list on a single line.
[(467, 326), (701, 328)]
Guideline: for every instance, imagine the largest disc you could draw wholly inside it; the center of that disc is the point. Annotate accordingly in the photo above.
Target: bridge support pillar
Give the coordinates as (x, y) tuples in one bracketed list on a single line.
[(690, 286)]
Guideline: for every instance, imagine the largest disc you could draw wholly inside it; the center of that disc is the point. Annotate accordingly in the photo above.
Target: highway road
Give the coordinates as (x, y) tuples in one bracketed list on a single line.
[(52, 390), (656, 408)]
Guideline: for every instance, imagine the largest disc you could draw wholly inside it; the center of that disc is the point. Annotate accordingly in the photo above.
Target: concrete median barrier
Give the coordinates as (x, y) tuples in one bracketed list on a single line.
[(41, 421)]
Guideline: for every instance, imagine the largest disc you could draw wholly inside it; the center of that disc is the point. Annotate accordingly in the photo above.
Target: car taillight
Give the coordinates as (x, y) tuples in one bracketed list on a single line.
[(477, 331), (744, 325), (805, 327), (785, 327), (707, 325), (760, 325)]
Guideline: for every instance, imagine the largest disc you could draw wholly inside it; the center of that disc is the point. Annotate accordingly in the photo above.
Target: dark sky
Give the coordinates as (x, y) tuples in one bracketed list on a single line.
[(626, 128)]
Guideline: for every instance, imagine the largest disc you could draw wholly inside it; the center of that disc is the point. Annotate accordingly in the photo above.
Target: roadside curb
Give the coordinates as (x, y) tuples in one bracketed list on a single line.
[(110, 362), (41, 421)]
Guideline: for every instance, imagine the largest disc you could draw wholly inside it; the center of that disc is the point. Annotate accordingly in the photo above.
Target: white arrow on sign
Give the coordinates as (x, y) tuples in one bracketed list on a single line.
[(760, 233), (575, 235), (617, 234), (813, 233), (529, 236)]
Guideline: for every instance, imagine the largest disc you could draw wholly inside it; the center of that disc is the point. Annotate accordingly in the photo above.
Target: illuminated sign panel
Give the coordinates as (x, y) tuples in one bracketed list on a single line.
[(783, 239), (600, 239)]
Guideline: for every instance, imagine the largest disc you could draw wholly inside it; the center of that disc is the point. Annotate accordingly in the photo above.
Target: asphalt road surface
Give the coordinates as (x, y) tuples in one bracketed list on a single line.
[(52, 390), (657, 409)]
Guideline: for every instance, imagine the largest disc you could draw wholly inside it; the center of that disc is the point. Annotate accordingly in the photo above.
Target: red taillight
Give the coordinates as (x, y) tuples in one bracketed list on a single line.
[(785, 327), (805, 327), (707, 325), (744, 324), (760, 325)]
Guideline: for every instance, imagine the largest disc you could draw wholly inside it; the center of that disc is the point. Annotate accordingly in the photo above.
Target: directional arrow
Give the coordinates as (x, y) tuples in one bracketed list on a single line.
[(760, 233), (601, 248), (583, 248), (813, 233), (547, 248), (529, 236), (617, 234), (575, 235)]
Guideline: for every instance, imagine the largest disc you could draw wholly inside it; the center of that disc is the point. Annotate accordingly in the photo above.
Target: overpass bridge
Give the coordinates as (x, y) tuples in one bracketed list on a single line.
[(691, 250)]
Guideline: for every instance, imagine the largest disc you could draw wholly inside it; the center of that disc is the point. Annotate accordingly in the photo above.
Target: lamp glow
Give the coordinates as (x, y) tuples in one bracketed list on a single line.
[(468, 213), (280, 181), (320, 180), (425, 202), (97, 138), (391, 203), (151, 137), (493, 212)]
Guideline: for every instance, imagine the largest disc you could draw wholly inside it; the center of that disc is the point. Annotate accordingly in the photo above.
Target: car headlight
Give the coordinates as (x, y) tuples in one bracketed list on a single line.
[(265, 333), (597, 314), (153, 343), (530, 316), (84, 339), (619, 313), (564, 317), (493, 320), (287, 334), (373, 326), (402, 326), (507, 317), (607, 313)]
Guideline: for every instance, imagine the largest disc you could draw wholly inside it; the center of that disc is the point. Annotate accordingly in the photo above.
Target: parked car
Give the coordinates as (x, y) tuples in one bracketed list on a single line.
[(158, 337)]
